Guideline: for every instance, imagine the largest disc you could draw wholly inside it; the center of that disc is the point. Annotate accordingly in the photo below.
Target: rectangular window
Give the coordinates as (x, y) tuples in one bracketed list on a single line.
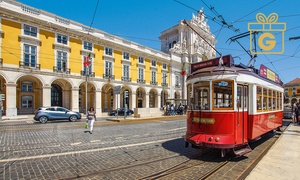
[(30, 30), (164, 79), (27, 87), (177, 80), (87, 46), (153, 63), (153, 76), (126, 55), (61, 61), (126, 71), (141, 74), (223, 93), (108, 68), (30, 55), (62, 39), (265, 99), (108, 51), (141, 60), (202, 98), (164, 66), (259, 98)]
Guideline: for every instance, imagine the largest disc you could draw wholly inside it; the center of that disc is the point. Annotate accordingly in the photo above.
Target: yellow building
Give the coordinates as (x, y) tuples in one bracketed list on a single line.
[(42, 64), (292, 92)]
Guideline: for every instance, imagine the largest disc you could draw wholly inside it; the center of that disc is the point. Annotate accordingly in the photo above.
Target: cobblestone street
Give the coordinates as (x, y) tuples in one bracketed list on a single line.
[(62, 150)]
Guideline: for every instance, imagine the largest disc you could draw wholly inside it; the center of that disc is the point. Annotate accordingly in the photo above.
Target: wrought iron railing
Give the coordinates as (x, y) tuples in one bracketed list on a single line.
[(61, 70)]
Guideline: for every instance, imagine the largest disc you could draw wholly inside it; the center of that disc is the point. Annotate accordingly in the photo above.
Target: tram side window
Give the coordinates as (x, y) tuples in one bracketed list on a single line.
[(259, 98), (265, 99), (270, 100), (223, 91), (274, 100)]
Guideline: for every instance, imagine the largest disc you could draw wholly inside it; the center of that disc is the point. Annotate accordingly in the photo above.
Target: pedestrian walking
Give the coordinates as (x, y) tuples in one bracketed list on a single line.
[(91, 117)]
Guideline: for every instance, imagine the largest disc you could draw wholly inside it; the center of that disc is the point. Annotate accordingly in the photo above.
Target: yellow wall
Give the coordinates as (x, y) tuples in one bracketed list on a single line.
[(75, 57), (147, 72), (98, 61), (11, 51), (46, 54), (134, 69), (118, 67)]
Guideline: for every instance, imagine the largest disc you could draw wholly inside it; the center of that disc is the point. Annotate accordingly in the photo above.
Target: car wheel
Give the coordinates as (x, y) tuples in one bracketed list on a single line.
[(73, 118), (43, 119)]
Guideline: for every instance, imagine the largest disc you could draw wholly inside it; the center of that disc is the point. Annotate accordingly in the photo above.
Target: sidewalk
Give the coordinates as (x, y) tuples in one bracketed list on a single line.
[(282, 160), (28, 119)]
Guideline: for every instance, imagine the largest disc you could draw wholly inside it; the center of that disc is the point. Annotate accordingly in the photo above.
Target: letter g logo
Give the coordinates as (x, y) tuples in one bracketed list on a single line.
[(267, 44)]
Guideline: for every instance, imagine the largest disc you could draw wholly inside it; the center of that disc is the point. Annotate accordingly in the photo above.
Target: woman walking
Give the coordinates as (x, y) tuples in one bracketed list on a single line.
[(91, 117)]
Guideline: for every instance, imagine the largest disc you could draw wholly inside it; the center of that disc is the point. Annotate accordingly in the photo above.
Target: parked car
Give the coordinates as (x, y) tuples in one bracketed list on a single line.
[(120, 112), (43, 114)]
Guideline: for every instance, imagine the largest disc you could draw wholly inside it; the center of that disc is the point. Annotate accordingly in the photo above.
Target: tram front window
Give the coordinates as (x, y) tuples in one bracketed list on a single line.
[(223, 91), (201, 97)]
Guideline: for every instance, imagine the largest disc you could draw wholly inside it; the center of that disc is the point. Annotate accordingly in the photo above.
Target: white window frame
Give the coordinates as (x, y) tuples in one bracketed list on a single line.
[(164, 66), (108, 70), (30, 63), (126, 71), (30, 31), (108, 51), (141, 74), (141, 60), (62, 39), (64, 60), (126, 56), (153, 76), (153, 63), (87, 46)]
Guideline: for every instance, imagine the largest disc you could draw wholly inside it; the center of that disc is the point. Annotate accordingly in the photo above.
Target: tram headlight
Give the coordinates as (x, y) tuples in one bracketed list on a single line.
[(210, 138), (217, 139)]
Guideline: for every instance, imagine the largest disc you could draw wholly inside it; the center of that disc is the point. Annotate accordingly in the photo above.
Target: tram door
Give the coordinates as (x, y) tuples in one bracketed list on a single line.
[(242, 115)]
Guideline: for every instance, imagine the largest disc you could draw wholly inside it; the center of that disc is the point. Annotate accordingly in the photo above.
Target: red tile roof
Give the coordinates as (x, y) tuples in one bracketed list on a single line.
[(294, 82)]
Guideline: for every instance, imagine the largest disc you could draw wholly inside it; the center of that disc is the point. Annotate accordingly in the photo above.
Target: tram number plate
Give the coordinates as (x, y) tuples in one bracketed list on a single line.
[(223, 83), (204, 120)]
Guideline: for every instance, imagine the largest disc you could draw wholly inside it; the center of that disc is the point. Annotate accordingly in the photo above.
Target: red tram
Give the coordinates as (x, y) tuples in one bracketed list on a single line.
[(231, 105)]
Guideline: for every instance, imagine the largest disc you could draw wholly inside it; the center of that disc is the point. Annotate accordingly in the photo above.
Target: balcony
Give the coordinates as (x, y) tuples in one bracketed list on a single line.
[(108, 76), (61, 70), (91, 74), (153, 82), (141, 81), (29, 65), (164, 84), (126, 79)]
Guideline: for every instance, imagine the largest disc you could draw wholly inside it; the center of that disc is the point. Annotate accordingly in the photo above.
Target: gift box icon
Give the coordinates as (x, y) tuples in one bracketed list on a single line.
[(271, 37)]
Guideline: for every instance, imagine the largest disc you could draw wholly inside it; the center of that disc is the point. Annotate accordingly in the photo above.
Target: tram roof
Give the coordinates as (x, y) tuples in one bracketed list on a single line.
[(226, 63)]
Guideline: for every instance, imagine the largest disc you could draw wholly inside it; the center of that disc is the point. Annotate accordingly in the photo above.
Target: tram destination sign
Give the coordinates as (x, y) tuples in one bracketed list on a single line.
[(227, 61)]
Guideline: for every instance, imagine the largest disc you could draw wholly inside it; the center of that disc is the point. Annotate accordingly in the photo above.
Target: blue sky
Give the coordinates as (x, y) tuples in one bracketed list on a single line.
[(142, 21)]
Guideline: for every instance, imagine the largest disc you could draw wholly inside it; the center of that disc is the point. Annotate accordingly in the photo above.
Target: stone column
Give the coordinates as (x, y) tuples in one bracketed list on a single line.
[(133, 100), (11, 98), (147, 100), (46, 95), (98, 104), (75, 99)]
